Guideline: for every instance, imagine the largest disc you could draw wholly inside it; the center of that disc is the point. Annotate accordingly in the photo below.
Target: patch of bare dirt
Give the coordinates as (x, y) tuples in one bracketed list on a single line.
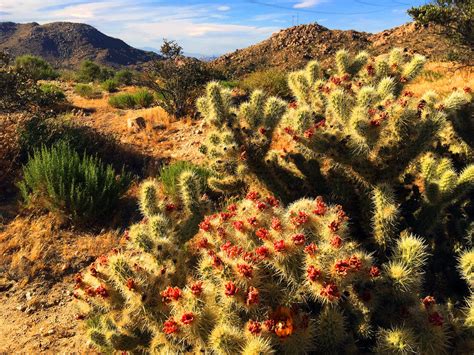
[(38, 318)]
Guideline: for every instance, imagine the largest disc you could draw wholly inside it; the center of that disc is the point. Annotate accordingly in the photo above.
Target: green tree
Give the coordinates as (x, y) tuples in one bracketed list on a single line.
[(455, 17)]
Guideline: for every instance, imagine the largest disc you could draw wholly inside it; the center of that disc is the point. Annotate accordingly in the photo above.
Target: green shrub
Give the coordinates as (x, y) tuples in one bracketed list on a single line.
[(35, 67), (67, 75), (51, 94), (92, 72), (141, 99), (124, 77), (229, 84), (87, 91), (123, 101), (272, 81), (177, 80), (18, 91), (169, 175), (110, 85), (82, 187), (144, 98), (39, 131)]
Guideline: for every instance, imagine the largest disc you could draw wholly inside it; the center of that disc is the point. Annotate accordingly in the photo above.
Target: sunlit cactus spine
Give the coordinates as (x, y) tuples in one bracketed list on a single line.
[(442, 186), (238, 143), (358, 124), (121, 291)]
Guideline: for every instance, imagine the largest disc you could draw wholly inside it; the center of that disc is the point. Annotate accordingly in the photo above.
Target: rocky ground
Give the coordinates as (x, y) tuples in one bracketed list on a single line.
[(292, 48)]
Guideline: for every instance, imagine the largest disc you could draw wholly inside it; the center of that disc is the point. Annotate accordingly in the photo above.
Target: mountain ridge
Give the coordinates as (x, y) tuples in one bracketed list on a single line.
[(67, 44), (292, 48)]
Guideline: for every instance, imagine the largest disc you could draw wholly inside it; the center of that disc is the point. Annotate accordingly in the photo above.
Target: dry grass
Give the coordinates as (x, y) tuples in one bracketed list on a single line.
[(35, 246), (442, 77)]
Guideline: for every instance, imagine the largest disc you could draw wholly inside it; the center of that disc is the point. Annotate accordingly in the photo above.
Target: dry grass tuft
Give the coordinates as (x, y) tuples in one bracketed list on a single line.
[(34, 246), (443, 78)]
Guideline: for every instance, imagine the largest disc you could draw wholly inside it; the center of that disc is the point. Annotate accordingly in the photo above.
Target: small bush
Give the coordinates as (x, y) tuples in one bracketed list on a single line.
[(51, 94), (53, 90), (68, 75), (169, 175), (144, 98), (87, 91), (141, 99), (124, 77), (35, 67), (229, 84), (39, 131), (60, 180), (110, 85), (123, 101), (272, 81), (92, 72)]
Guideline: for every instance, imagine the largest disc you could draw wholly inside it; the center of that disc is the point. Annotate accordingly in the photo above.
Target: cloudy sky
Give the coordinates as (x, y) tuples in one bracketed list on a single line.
[(208, 27)]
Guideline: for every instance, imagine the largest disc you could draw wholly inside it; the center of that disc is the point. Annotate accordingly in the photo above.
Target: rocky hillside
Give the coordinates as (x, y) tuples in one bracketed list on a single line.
[(67, 44), (291, 48)]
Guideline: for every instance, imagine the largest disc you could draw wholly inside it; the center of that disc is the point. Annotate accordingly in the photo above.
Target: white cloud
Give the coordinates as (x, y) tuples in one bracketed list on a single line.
[(223, 8), (307, 3), (210, 38)]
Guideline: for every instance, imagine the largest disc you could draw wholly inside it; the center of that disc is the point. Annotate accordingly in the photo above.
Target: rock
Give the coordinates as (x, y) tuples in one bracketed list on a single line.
[(21, 308), (136, 124), (159, 127)]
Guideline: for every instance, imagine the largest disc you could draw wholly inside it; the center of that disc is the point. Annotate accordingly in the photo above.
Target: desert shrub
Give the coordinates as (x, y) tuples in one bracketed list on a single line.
[(68, 75), (272, 81), (140, 99), (18, 91), (177, 80), (110, 85), (144, 98), (87, 91), (169, 176), (82, 187), (35, 67), (124, 77), (123, 101), (229, 84), (92, 72), (51, 94), (45, 131)]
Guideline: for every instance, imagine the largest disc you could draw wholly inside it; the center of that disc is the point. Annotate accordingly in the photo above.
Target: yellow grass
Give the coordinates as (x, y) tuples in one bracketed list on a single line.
[(443, 78)]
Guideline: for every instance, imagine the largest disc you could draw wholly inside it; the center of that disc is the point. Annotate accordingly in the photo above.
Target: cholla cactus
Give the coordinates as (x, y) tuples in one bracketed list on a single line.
[(264, 277), (442, 186), (267, 279), (366, 130), (361, 119), (120, 290), (238, 144)]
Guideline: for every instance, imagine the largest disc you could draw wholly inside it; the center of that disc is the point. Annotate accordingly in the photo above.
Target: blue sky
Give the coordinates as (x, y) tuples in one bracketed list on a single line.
[(208, 27)]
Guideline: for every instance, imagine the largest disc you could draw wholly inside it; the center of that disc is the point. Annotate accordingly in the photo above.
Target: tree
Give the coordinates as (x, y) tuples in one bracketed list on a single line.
[(177, 80), (455, 17)]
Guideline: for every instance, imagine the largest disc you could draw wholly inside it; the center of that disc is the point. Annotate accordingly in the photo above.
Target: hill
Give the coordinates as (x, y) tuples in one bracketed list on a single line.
[(291, 48), (66, 44)]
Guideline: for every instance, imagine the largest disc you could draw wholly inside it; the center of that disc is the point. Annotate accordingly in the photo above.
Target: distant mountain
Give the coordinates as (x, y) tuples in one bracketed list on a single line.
[(291, 48), (66, 44)]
